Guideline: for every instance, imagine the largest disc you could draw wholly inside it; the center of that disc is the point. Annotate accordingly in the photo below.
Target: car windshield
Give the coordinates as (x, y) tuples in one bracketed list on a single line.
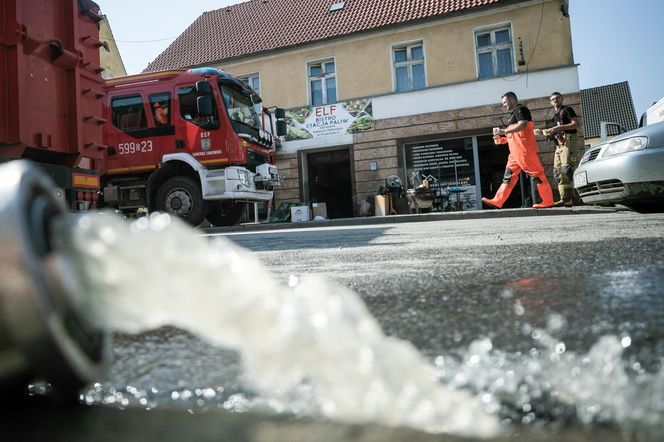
[(240, 106)]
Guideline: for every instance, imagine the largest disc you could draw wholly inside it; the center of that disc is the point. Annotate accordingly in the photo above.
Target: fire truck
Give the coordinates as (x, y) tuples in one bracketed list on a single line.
[(196, 143)]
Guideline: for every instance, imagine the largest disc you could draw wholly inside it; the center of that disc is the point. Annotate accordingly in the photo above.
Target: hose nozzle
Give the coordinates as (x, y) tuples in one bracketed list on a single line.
[(42, 334)]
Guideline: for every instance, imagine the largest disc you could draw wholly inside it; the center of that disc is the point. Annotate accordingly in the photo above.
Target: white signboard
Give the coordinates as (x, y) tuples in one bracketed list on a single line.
[(329, 120)]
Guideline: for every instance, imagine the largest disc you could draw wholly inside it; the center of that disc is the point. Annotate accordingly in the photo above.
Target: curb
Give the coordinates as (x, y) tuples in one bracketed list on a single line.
[(410, 218)]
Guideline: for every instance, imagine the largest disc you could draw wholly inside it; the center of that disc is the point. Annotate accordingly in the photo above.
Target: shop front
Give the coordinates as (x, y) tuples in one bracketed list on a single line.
[(459, 172)]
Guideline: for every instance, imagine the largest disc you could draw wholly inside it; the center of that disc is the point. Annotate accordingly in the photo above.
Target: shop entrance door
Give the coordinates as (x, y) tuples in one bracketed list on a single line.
[(492, 161), (329, 182)]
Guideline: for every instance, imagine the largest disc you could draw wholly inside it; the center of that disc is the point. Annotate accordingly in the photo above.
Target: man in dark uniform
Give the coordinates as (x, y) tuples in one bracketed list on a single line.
[(565, 121), (520, 137)]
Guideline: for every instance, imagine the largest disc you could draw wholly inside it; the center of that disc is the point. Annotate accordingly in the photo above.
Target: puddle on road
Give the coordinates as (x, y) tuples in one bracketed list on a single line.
[(312, 349)]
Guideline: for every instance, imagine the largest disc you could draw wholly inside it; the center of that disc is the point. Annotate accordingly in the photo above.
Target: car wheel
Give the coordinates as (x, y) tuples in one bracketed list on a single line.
[(181, 196), (651, 207), (225, 214)]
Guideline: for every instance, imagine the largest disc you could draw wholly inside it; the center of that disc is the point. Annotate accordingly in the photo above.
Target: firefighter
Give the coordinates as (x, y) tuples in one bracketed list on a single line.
[(563, 169), (564, 121), (523, 156), (160, 114)]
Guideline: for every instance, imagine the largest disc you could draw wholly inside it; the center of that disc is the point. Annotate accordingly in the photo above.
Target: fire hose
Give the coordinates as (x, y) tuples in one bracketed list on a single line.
[(42, 334)]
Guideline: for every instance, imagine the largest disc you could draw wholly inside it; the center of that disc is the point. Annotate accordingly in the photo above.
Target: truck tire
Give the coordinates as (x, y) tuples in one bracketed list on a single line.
[(181, 196), (225, 214)]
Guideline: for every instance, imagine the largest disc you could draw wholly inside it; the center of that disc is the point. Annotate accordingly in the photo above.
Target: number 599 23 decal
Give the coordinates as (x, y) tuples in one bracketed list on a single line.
[(139, 147)]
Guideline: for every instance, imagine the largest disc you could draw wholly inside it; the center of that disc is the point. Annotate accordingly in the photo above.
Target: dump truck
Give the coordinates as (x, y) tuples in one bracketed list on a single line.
[(196, 143)]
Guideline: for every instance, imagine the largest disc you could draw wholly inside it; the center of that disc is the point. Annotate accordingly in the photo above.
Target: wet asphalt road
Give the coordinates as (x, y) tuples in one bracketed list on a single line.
[(440, 285), (443, 284)]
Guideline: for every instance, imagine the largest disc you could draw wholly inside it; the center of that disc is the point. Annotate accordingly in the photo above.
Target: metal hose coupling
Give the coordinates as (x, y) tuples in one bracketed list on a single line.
[(42, 335)]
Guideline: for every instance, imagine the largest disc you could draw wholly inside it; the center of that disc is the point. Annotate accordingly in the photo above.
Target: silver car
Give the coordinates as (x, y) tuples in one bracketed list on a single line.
[(627, 170)]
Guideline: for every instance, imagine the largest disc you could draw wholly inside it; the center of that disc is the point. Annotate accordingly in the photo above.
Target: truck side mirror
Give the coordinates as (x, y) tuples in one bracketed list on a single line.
[(280, 116), (203, 87), (204, 106)]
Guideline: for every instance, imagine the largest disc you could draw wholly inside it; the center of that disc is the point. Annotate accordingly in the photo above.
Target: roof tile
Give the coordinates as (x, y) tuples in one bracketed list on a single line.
[(612, 102), (258, 26)]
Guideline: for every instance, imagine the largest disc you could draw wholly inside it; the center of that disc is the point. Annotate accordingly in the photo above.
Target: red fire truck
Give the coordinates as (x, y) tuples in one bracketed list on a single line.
[(196, 143)]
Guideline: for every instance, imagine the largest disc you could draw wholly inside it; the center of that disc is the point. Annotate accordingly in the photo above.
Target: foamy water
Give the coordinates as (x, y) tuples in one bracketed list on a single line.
[(157, 271), (313, 347)]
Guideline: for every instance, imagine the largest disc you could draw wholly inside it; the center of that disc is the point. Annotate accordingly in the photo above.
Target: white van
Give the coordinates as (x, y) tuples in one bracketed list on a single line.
[(654, 114)]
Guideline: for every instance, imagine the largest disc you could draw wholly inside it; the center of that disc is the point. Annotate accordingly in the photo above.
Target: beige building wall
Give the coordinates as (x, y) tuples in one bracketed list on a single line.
[(364, 63), (109, 54), (541, 40)]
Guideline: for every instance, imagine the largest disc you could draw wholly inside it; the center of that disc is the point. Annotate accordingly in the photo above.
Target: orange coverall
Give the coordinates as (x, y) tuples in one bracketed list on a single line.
[(523, 156)]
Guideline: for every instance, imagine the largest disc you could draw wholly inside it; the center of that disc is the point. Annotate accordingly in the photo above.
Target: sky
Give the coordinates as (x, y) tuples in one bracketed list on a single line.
[(613, 40)]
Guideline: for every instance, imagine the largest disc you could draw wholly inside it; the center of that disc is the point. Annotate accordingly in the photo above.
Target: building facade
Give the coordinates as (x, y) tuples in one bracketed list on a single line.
[(109, 54), (394, 88)]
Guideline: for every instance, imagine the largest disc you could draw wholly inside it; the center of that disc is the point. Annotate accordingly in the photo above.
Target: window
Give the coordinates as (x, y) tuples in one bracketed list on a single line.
[(189, 106), (408, 67), (322, 83), (252, 80), (128, 113), (494, 52), (161, 105), (240, 107)]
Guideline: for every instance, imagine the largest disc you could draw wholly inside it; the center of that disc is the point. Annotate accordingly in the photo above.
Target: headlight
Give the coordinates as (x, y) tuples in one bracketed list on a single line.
[(585, 157), (244, 177), (623, 146)]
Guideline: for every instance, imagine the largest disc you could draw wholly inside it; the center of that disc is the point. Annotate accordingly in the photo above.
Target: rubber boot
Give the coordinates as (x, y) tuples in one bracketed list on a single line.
[(545, 192), (501, 195)]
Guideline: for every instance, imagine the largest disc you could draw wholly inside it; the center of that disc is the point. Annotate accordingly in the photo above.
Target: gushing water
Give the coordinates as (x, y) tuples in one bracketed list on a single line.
[(312, 348), (156, 271)]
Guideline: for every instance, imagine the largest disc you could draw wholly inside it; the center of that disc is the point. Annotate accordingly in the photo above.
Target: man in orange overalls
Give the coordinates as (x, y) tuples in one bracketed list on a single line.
[(523, 155)]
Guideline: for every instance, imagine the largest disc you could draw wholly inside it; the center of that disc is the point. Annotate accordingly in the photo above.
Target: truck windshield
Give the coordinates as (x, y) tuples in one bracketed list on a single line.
[(240, 107)]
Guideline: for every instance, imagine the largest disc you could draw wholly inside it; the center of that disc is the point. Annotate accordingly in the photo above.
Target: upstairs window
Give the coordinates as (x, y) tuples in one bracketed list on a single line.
[(495, 54), (408, 67), (252, 80), (322, 82)]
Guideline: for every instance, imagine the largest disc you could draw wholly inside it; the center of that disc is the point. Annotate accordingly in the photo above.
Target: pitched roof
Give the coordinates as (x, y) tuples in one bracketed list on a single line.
[(258, 26), (612, 102)]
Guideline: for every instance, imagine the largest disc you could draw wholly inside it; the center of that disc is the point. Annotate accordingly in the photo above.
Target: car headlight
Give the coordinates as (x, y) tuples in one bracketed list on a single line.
[(585, 157), (244, 177), (623, 146)]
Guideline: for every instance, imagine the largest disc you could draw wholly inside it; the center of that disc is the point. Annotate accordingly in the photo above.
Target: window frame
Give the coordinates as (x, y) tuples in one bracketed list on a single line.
[(185, 104), (246, 78), (136, 108), (409, 63), (323, 79), (493, 48)]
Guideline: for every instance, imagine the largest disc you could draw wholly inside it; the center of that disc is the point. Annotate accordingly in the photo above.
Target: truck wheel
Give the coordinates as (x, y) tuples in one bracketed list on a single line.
[(225, 214), (181, 196)]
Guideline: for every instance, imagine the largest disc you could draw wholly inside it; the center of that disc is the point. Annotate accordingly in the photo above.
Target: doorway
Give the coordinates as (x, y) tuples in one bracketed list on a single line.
[(329, 182), (492, 161)]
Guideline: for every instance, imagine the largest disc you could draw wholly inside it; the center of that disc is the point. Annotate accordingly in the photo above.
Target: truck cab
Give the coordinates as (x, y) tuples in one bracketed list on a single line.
[(195, 143)]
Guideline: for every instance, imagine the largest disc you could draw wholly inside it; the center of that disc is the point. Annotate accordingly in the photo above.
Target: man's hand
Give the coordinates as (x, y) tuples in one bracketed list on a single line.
[(517, 127)]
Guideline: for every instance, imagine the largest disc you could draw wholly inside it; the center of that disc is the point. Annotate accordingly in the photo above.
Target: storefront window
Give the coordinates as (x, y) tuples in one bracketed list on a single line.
[(448, 166)]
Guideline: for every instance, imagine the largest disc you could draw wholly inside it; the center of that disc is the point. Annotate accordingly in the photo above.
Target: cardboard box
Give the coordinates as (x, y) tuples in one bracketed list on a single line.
[(300, 214), (382, 204), (319, 209)]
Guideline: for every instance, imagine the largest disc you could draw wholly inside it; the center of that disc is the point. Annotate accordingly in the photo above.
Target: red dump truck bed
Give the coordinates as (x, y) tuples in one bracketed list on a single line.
[(50, 90)]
